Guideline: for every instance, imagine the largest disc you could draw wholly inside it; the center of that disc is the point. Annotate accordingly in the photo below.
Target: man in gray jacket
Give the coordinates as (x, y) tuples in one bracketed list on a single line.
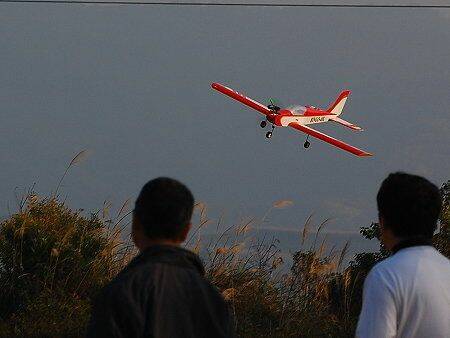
[(163, 291)]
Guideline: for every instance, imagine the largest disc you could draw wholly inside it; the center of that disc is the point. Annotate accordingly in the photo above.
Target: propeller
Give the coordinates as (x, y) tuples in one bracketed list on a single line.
[(275, 107)]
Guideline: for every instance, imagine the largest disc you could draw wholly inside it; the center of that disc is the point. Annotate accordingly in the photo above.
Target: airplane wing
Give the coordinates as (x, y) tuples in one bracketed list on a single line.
[(329, 139), (241, 98)]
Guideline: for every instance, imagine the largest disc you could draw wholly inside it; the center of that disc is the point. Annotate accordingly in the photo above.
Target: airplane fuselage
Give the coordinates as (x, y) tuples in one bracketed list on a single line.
[(308, 116)]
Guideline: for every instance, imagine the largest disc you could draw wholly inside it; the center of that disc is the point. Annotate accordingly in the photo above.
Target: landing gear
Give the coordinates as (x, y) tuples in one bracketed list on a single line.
[(306, 144), (263, 124), (269, 133)]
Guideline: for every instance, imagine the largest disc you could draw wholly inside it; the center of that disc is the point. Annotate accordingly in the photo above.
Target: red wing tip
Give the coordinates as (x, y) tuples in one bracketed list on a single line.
[(215, 85), (365, 154)]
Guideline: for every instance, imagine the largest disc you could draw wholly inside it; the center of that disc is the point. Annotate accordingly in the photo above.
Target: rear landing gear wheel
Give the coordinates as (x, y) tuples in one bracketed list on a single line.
[(306, 144), (263, 124), (269, 134)]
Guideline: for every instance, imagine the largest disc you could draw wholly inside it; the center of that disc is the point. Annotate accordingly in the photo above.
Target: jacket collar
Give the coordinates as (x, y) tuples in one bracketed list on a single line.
[(169, 254)]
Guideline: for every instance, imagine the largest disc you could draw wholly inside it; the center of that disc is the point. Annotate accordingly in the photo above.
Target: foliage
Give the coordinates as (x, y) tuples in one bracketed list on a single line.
[(269, 301), (441, 240), (53, 261)]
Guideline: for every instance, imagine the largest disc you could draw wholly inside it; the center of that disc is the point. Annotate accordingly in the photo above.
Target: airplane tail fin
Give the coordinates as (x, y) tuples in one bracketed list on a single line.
[(337, 107)]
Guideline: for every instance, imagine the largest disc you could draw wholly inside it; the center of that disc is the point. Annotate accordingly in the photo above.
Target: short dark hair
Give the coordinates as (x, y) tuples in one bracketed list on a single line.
[(409, 205), (164, 208)]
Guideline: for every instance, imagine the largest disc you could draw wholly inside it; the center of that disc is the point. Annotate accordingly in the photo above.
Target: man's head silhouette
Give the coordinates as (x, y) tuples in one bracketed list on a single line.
[(408, 208), (162, 213)]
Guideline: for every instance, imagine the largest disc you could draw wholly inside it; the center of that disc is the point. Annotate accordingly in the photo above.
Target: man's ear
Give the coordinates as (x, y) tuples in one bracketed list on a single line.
[(134, 222), (184, 234), (381, 221), (136, 229)]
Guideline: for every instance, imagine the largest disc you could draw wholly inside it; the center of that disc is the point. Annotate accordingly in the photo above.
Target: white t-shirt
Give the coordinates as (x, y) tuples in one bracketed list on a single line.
[(407, 295)]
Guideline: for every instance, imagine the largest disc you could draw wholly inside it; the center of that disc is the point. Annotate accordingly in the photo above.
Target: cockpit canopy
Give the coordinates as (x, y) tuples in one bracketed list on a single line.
[(298, 110)]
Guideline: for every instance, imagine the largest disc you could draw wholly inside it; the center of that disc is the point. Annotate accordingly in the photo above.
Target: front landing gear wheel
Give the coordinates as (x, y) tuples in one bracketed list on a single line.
[(306, 144), (263, 124), (269, 134)]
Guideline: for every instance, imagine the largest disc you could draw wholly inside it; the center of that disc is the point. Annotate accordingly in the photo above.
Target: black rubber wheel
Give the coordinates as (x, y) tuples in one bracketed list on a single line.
[(269, 134), (263, 124), (307, 144)]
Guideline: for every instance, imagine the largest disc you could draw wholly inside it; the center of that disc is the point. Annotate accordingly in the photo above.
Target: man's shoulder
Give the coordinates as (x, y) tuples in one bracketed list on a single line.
[(386, 271), (386, 264), (409, 262), (414, 257), (130, 278), (145, 274)]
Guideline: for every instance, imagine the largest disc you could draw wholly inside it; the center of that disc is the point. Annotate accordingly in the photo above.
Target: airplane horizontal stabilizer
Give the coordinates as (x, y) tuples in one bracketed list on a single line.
[(346, 123)]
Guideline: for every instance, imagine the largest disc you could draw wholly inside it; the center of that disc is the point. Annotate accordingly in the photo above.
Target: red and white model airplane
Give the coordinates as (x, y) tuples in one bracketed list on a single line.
[(299, 117)]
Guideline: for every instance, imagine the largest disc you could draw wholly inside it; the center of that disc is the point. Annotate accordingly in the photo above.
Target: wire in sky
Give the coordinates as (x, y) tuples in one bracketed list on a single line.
[(225, 4)]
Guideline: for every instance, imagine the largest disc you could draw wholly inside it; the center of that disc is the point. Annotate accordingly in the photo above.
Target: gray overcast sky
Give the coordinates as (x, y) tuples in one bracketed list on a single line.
[(131, 84)]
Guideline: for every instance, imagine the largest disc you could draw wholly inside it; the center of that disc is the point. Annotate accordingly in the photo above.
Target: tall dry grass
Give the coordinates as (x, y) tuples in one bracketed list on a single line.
[(313, 297), (53, 261)]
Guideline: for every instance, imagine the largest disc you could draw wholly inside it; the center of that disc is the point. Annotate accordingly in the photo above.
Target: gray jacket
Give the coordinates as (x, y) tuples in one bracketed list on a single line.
[(161, 293)]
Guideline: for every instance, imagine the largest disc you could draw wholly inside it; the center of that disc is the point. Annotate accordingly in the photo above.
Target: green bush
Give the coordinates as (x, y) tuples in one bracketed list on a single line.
[(52, 262)]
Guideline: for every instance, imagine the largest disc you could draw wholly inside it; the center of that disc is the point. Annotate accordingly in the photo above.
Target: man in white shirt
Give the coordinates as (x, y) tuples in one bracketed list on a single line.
[(407, 294)]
